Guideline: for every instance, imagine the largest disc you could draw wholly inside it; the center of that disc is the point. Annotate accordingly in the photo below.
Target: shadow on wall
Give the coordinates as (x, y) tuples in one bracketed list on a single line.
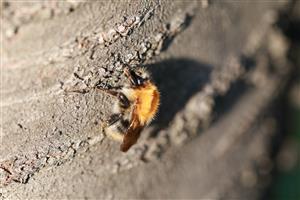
[(178, 80)]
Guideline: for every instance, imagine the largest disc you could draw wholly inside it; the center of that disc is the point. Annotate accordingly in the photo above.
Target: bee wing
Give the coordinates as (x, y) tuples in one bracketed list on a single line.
[(131, 136)]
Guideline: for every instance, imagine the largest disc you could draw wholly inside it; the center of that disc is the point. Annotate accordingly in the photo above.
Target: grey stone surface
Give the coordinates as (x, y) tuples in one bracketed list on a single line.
[(218, 64)]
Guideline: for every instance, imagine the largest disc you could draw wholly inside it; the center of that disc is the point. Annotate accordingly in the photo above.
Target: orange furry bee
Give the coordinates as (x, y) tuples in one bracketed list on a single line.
[(138, 102)]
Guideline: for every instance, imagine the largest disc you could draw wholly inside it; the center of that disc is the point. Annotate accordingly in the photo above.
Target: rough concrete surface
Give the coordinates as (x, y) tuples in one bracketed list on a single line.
[(219, 66)]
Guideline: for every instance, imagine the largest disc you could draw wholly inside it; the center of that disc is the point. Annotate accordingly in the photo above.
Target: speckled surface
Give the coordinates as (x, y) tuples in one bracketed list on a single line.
[(210, 62)]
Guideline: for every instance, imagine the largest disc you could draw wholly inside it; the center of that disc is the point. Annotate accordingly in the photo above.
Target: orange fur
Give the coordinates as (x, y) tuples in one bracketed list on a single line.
[(147, 102), (146, 106), (143, 99)]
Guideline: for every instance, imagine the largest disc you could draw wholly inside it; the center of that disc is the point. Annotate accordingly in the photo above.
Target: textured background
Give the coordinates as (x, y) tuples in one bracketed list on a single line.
[(220, 66)]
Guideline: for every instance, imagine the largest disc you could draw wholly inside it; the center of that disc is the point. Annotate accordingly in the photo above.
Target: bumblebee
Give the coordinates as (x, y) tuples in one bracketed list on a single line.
[(137, 103)]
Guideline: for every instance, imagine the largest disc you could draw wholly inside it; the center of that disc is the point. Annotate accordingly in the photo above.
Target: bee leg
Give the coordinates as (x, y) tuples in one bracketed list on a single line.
[(124, 101), (113, 119), (76, 90), (127, 73), (134, 79)]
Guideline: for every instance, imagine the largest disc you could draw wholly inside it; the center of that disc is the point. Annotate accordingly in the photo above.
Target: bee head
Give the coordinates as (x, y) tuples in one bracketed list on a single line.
[(138, 77)]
